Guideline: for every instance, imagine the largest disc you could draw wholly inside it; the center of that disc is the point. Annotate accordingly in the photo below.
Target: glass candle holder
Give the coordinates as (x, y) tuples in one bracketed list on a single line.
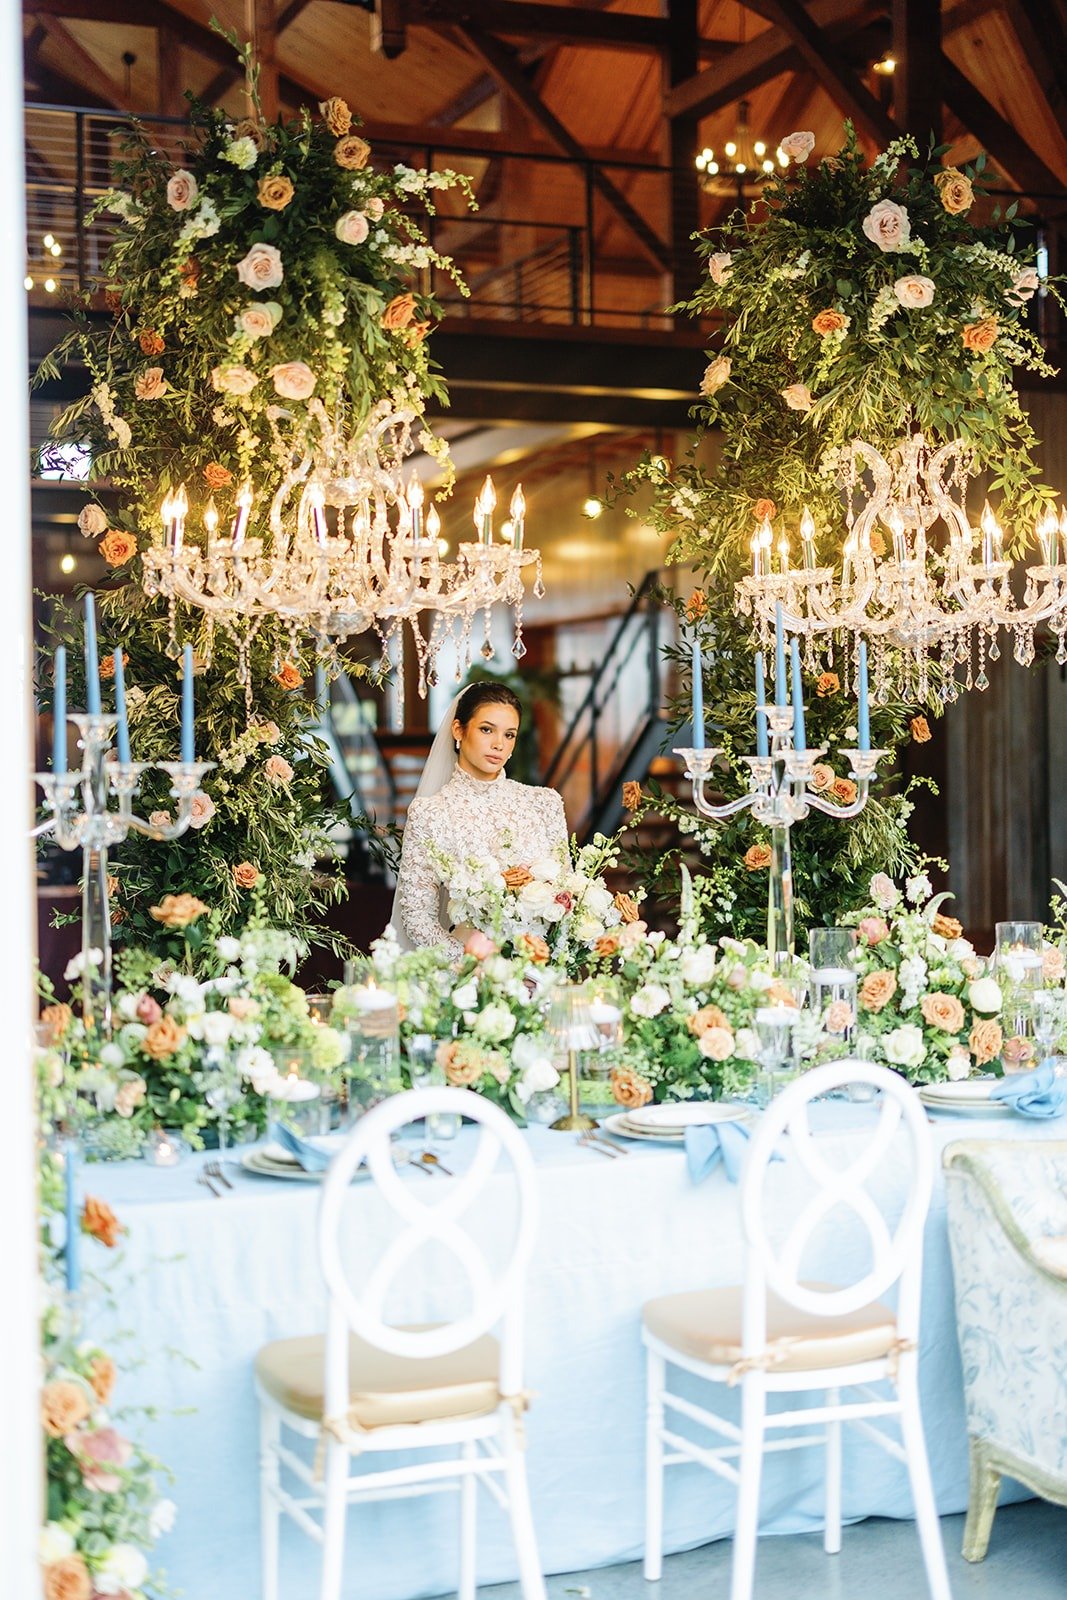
[(372, 1025), (164, 1148), (1018, 956)]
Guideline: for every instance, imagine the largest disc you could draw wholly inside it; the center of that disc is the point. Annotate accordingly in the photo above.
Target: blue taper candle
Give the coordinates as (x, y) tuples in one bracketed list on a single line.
[(188, 736), (762, 747), (92, 663), (781, 693), (123, 730), (59, 711), (864, 740), (698, 695), (71, 1262), (798, 698)]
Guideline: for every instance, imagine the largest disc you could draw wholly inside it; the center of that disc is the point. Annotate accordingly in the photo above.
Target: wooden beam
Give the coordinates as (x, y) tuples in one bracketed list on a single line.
[(169, 91), (288, 15), (88, 69), (1004, 144), (259, 30), (917, 51), (770, 53), (680, 63), (840, 83), (388, 28), (129, 12), (504, 68), (1040, 30), (572, 24)]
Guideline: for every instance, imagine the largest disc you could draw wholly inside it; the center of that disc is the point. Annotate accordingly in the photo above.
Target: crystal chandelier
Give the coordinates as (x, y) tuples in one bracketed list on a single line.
[(743, 164), (347, 548), (918, 598)]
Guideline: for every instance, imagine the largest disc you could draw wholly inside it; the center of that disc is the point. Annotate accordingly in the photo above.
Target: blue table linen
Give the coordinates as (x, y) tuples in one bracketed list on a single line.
[(1034, 1094)]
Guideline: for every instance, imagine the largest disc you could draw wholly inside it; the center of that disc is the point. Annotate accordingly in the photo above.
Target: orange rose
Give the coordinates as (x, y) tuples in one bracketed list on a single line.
[(113, 301), (947, 927), (630, 1089), (631, 794), (162, 1039), (415, 333), (100, 1221), (352, 152), (107, 664), (151, 343), (178, 910), (828, 683), (461, 1067), (829, 322), (216, 476), (980, 336), (336, 115), (288, 676), (67, 1579), (876, 990), (517, 877), (627, 907), (102, 1377), (399, 312), (985, 1041), (57, 1019), (117, 547), (535, 948), (920, 730), (765, 510), (696, 606), (757, 857), (844, 791), (189, 273), (275, 193), (246, 875), (779, 995), (707, 1017), (249, 128), (955, 191), (607, 945), (63, 1405), (943, 1011)]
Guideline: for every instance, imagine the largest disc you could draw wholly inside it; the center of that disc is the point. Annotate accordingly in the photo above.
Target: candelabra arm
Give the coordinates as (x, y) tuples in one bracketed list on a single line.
[(96, 939), (780, 942)]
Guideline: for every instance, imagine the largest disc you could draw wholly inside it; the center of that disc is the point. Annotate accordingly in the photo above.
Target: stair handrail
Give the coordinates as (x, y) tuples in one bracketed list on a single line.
[(367, 737)]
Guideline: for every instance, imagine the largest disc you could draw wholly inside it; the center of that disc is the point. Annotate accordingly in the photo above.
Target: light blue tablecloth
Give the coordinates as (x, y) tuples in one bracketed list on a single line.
[(208, 1281)]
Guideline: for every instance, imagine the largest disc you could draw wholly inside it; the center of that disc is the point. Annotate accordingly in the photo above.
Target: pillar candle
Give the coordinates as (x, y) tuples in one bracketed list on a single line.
[(798, 698), (864, 740), (73, 1266), (92, 664), (698, 695), (59, 711), (123, 729), (781, 693), (188, 736), (762, 748)]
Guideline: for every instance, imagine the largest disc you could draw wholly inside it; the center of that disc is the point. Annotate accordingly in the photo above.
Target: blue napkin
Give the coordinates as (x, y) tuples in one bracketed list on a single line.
[(311, 1159), (706, 1146), (1034, 1094)]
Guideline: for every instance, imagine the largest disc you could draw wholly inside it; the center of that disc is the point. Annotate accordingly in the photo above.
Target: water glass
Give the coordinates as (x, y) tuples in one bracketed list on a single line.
[(1047, 1009), (831, 947), (426, 1074), (372, 1025)]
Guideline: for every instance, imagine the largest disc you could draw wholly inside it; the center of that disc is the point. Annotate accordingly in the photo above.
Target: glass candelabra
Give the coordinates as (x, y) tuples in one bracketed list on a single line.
[(83, 818), (780, 793)]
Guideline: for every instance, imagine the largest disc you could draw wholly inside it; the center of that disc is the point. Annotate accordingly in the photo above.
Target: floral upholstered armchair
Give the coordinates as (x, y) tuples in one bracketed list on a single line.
[(1007, 1215)]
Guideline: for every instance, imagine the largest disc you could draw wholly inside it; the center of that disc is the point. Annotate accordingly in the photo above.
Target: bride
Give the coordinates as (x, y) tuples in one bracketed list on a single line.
[(466, 805)]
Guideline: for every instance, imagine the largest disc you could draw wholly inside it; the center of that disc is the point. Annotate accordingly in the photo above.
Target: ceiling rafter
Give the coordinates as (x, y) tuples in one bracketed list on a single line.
[(1003, 143), (88, 68), (837, 78)]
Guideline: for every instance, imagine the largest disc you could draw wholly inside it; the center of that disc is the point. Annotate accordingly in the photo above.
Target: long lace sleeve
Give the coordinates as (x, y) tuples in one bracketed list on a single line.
[(555, 819), (418, 888)]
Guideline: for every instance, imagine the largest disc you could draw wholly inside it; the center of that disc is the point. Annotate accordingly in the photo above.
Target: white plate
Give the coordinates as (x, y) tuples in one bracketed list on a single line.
[(676, 1116), (967, 1090), (969, 1108), (270, 1161), (623, 1128)]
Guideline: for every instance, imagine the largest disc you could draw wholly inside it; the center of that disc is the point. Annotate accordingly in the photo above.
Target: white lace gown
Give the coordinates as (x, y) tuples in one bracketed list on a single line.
[(514, 822)]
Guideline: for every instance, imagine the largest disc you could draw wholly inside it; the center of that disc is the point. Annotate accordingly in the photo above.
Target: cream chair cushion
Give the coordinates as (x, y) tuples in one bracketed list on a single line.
[(385, 1391), (705, 1325)]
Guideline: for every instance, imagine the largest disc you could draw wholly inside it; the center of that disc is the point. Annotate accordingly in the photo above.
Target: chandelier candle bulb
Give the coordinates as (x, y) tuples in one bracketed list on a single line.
[(180, 512), (900, 543), (318, 517), (92, 663), (518, 516), (240, 521), (863, 741), (1046, 537), (415, 502), (1063, 535), (211, 519), (59, 711), (762, 748), (988, 535), (798, 699), (807, 540), (122, 730), (699, 738), (487, 503), (783, 555), (781, 692), (188, 735)]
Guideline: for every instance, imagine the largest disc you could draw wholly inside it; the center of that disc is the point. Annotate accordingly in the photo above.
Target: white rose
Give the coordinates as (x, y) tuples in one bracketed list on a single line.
[(918, 888), (161, 1518), (111, 1055), (547, 869), (650, 1000), (798, 146), (539, 1076), (887, 226), (257, 1065), (233, 379), (719, 266), (798, 397), (228, 947), (536, 897), (884, 891), (961, 950), (985, 996), (914, 291), (217, 1026), (126, 1006), (746, 1044), (123, 1568), (182, 190), (352, 228), (262, 267), (374, 208), (91, 521), (242, 153), (598, 900), (465, 998), (698, 965), (494, 1023), (905, 1046), (959, 1063), (716, 373), (53, 1543)]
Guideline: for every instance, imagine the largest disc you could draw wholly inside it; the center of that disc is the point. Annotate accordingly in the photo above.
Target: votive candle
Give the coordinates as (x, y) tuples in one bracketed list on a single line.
[(59, 711), (798, 698), (188, 735), (92, 662), (762, 747), (698, 695), (864, 739), (123, 728)]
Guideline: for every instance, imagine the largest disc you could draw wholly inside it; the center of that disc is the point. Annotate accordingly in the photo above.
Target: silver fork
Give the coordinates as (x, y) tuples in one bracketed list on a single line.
[(606, 1143), (214, 1170), (202, 1177)]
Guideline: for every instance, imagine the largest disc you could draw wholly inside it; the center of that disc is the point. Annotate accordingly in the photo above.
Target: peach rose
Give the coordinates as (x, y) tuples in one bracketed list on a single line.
[(876, 990), (627, 907), (480, 946), (798, 397), (980, 336), (946, 927), (943, 1011), (293, 380), (150, 384), (63, 1406), (719, 266), (399, 312), (107, 663), (151, 343), (838, 1016), (631, 794), (268, 732), (607, 945), (779, 995), (535, 949), (216, 476), (630, 1089), (117, 547), (1017, 1054), (1024, 286), (415, 333), (336, 115), (351, 152), (258, 321), (798, 146), (517, 877), (182, 190), (159, 819), (887, 226), (201, 810), (245, 875), (351, 228), (716, 373), (822, 776), (873, 929), (757, 857), (92, 520), (102, 1377), (461, 1068), (277, 770), (232, 378), (707, 1017), (162, 1039), (954, 190), (177, 910), (57, 1019), (275, 193), (1052, 965), (716, 1044), (261, 268), (829, 321), (100, 1222), (985, 1041), (844, 791), (249, 128), (876, 540), (828, 683), (288, 676), (67, 1579), (764, 510), (915, 292), (920, 730)]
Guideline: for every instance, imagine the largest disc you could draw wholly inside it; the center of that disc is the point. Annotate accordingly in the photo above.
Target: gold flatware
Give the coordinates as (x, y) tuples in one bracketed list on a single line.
[(587, 1141), (214, 1170), (429, 1160)]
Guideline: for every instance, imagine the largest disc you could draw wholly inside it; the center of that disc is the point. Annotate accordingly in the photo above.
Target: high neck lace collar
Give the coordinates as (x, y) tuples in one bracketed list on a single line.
[(468, 781)]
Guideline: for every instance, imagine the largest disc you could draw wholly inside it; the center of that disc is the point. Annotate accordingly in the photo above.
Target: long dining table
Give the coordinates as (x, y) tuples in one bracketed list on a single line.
[(201, 1283)]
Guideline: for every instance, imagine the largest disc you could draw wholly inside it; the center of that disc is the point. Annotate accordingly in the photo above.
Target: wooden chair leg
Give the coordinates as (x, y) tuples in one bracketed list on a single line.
[(981, 1502)]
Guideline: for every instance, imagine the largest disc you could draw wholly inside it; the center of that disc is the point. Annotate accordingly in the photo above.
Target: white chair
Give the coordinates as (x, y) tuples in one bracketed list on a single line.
[(779, 1334), (368, 1387)]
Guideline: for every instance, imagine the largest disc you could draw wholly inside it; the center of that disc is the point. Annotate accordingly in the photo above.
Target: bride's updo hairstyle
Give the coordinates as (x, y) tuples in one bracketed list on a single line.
[(482, 694)]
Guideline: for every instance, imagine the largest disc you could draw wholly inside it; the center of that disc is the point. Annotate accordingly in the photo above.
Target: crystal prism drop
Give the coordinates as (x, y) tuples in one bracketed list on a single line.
[(487, 651), (981, 682), (518, 649), (994, 652)]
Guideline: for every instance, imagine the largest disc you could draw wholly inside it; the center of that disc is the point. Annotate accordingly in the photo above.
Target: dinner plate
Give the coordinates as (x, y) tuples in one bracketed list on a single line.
[(623, 1128), (271, 1161), (966, 1090), (968, 1108), (677, 1115)]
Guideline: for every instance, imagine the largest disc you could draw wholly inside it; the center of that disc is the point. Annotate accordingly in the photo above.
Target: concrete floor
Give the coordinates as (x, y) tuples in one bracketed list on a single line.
[(879, 1560)]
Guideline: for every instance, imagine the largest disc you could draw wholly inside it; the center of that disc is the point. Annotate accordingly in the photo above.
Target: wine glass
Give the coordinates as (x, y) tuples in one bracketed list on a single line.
[(223, 1088)]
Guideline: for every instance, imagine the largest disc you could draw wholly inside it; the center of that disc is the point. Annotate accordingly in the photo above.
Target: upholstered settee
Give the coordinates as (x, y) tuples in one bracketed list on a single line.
[(1007, 1216)]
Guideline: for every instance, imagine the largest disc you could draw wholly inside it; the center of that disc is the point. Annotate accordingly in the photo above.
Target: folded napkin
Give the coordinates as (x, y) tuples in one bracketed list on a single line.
[(707, 1145), (1034, 1094), (310, 1158)]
